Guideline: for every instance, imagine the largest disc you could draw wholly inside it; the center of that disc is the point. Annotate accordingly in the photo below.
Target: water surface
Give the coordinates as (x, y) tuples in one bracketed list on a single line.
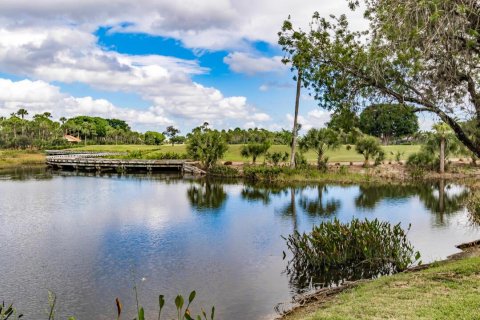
[(87, 237)]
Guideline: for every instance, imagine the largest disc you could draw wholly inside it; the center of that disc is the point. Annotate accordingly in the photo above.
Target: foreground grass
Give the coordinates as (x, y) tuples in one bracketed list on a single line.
[(20, 158), (233, 154), (449, 290)]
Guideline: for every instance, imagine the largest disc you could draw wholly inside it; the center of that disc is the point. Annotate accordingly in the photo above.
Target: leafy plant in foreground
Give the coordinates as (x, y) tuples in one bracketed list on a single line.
[(334, 252)]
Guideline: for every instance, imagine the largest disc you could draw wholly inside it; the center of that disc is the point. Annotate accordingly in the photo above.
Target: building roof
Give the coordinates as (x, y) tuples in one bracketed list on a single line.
[(71, 138)]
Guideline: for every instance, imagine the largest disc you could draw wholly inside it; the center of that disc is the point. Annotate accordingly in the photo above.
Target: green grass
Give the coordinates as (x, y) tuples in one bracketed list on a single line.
[(233, 154), (20, 158), (447, 291)]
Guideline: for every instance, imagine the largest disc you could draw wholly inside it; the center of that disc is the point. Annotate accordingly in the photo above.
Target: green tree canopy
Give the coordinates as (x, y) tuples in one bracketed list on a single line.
[(424, 54), (154, 138), (388, 121), (206, 145)]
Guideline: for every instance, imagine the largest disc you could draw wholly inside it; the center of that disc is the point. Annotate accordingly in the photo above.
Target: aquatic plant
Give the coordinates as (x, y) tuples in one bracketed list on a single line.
[(182, 313), (9, 312), (334, 252)]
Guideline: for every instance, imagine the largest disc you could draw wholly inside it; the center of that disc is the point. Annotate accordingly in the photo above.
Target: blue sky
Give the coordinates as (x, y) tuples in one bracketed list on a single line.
[(155, 63)]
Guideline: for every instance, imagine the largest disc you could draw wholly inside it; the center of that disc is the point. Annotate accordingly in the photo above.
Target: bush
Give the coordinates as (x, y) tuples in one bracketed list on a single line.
[(370, 148), (261, 172), (167, 156), (335, 252), (300, 160), (276, 157), (419, 162), (223, 171)]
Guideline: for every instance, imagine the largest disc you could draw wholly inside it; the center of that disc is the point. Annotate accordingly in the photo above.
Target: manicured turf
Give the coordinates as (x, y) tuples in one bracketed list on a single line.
[(448, 291), (233, 154)]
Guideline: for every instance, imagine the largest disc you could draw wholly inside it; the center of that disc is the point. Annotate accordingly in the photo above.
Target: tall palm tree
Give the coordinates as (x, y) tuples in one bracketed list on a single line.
[(22, 112)]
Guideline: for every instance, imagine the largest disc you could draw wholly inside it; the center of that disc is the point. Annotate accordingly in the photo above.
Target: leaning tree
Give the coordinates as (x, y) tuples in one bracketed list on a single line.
[(424, 54)]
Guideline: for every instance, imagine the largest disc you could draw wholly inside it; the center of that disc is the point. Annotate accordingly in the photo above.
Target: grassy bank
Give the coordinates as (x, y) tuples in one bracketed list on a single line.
[(233, 154), (448, 290), (20, 158)]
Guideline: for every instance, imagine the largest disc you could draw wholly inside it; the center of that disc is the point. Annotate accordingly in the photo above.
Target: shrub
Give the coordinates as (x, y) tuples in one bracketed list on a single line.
[(276, 157), (419, 162), (335, 252), (261, 172), (370, 148), (167, 156), (300, 160), (223, 171), (255, 149)]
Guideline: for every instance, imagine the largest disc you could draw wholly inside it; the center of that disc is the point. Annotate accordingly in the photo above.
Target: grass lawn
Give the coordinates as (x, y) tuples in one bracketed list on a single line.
[(447, 291), (233, 154), (20, 158)]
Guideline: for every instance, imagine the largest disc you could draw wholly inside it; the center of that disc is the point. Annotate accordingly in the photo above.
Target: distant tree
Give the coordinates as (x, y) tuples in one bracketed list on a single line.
[(171, 132), (442, 142), (343, 119), (255, 149), (118, 124), (154, 138), (178, 140), (320, 140), (388, 121), (370, 148), (207, 146), (22, 113)]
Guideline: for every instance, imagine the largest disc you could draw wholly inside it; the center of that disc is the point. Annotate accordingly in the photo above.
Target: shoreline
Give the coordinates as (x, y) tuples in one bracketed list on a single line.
[(307, 306)]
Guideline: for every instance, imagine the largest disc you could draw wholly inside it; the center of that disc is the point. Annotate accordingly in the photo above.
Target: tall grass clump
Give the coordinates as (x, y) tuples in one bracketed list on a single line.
[(223, 171), (334, 252)]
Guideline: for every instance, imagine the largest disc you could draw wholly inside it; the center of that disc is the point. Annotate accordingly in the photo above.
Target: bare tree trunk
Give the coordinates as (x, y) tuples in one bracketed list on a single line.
[(442, 155), (295, 119)]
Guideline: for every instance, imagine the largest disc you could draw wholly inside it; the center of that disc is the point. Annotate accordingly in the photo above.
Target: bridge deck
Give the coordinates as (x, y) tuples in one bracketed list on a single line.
[(91, 162)]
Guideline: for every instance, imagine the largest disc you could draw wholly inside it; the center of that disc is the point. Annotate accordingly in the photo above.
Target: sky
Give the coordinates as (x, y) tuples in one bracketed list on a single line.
[(156, 63)]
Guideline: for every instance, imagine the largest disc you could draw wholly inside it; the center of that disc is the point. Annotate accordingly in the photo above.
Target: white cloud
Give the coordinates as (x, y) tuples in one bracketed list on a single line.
[(316, 118), (241, 62), (163, 81), (39, 96), (207, 24), (53, 40)]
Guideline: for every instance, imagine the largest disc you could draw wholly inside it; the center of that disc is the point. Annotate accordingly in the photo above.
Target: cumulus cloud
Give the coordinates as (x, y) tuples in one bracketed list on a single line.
[(54, 41), (316, 118), (241, 62), (163, 81), (208, 24), (39, 96)]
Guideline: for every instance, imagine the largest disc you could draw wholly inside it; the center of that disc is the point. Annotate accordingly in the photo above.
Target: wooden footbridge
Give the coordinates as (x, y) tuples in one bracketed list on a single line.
[(88, 161)]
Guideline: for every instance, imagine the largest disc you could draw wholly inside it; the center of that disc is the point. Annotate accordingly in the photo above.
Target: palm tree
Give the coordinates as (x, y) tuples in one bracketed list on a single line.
[(22, 113), (320, 140)]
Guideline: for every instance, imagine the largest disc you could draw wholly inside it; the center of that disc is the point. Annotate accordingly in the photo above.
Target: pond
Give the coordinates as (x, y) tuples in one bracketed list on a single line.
[(87, 238)]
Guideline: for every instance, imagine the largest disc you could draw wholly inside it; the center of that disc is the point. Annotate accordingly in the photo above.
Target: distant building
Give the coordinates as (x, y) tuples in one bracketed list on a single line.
[(72, 139)]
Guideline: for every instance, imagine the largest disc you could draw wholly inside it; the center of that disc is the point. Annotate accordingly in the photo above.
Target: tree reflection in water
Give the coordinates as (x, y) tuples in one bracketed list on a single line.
[(318, 206), (206, 195), (439, 197)]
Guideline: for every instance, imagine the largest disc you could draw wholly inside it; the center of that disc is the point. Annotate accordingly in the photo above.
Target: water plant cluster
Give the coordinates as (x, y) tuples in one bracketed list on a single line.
[(335, 252)]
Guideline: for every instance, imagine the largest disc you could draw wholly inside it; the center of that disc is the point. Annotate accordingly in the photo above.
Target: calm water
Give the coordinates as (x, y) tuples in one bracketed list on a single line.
[(86, 238)]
